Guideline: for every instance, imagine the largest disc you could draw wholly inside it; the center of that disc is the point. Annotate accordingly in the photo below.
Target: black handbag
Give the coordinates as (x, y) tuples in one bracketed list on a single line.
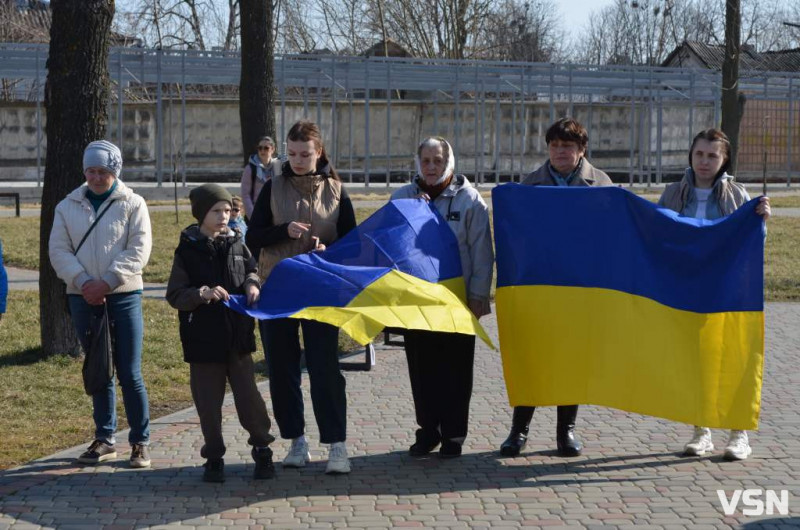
[(98, 345)]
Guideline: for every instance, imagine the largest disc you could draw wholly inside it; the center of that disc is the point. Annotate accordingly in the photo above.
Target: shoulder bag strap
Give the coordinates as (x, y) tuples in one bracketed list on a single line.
[(97, 219)]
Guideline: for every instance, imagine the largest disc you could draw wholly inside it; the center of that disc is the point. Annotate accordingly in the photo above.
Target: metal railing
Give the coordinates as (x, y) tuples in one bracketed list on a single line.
[(661, 107)]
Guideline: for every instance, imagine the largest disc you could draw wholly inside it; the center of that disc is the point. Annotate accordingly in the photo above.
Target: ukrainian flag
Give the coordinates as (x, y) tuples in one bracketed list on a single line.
[(604, 298), (400, 268)]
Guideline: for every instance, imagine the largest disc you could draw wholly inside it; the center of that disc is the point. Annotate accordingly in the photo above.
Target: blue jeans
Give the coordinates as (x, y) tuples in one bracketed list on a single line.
[(125, 313)]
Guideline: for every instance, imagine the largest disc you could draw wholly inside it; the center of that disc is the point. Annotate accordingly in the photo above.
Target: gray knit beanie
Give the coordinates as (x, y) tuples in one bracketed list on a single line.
[(103, 154), (204, 197)]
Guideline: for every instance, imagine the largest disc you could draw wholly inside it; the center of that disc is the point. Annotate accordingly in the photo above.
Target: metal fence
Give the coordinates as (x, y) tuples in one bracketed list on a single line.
[(486, 108)]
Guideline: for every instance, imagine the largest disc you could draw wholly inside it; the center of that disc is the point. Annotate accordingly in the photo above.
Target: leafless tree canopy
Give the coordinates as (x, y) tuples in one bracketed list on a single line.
[(192, 24), (625, 32), (645, 34)]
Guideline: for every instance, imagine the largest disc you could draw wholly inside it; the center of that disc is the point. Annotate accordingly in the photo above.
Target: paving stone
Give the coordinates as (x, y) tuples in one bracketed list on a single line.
[(631, 472)]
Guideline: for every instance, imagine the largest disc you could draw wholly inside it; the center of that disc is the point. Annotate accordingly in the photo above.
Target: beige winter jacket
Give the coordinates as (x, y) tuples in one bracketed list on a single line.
[(116, 250), (311, 199)]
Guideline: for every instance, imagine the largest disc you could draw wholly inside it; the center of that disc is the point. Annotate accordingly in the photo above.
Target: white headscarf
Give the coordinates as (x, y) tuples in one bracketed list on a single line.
[(436, 141)]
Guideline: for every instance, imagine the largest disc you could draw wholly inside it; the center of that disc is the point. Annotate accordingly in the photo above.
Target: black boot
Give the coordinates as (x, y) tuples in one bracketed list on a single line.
[(427, 440), (567, 444), (519, 431), (215, 470), (264, 469)]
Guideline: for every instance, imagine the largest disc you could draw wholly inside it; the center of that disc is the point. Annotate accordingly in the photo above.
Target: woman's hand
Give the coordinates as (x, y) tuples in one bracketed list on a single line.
[(477, 307), (296, 229), (763, 208), (253, 293), (424, 196), (318, 247), (95, 291), (215, 294)]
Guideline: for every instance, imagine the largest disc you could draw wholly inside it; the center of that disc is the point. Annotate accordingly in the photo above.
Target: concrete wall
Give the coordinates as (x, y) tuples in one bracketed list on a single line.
[(213, 146)]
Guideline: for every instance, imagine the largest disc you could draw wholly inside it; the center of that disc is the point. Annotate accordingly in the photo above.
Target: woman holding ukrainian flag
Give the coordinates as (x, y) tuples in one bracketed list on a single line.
[(440, 364), (707, 191), (566, 141), (303, 209)]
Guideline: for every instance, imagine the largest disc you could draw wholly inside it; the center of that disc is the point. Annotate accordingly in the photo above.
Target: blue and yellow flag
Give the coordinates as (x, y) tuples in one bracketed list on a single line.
[(603, 298), (400, 268)]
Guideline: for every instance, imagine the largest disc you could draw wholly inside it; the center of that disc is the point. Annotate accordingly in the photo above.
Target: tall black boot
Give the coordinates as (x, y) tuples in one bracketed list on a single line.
[(567, 444), (519, 431)]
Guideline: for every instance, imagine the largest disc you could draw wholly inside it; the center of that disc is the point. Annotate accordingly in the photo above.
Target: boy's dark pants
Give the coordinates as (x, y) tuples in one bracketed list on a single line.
[(440, 368), (208, 390), (328, 395)]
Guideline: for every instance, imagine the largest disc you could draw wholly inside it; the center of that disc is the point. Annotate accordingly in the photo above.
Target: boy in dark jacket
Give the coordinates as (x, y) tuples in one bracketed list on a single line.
[(211, 263)]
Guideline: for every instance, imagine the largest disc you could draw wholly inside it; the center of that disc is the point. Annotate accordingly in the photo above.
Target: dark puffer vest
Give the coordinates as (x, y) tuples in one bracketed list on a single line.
[(212, 332)]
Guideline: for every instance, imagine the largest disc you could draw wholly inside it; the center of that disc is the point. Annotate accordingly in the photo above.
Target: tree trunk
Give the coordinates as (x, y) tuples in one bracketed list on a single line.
[(257, 84), (76, 96), (732, 104)]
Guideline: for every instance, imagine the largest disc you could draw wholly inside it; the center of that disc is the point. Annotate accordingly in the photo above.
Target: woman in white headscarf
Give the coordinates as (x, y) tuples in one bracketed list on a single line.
[(440, 364)]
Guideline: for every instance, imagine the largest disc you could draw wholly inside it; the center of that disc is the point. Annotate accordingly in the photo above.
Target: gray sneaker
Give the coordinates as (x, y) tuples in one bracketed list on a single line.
[(338, 463), (98, 451), (140, 456)]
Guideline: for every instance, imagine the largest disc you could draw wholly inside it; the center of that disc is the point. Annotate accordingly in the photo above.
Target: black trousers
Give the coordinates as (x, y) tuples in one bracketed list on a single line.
[(328, 395), (440, 369)]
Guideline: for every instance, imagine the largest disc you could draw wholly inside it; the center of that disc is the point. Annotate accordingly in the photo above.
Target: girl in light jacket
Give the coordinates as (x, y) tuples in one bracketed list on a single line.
[(708, 192)]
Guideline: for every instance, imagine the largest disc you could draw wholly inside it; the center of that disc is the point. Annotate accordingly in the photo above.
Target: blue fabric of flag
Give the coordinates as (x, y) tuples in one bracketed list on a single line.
[(406, 235), (611, 238)]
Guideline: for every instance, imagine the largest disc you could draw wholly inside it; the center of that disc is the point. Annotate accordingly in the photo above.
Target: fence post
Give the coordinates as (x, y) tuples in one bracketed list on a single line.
[(159, 122), (790, 139)]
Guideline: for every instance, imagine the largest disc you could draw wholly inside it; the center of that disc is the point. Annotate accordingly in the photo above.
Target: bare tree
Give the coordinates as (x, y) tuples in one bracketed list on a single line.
[(761, 24), (698, 20), (732, 103), (645, 34), (441, 28), (350, 25), (295, 30), (76, 98), (520, 30), (257, 85), (194, 24), (630, 33)]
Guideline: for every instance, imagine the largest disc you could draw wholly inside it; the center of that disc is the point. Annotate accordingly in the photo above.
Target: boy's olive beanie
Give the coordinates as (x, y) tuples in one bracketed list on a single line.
[(204, 197)]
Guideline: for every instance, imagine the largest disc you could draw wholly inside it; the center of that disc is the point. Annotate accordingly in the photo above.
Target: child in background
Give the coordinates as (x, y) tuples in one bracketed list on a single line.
[(211, 263), (237, 216)]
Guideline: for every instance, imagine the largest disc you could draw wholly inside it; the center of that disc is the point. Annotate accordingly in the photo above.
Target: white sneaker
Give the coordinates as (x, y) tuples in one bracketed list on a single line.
[(338, 463), (738, 446), (298, 454), (700, 444)]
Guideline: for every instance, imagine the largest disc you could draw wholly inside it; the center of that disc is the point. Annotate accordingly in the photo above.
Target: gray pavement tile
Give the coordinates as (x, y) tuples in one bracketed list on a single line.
[(631, 473)]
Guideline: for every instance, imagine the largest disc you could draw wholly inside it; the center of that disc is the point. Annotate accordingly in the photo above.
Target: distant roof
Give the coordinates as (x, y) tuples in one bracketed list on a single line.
[(30, 22), (712, 57)]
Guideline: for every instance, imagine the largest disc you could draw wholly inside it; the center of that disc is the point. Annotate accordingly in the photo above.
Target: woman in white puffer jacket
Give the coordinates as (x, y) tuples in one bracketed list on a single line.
[(106, 271)]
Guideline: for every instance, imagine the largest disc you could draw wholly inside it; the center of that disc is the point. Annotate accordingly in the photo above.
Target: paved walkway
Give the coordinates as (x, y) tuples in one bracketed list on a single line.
[(28, 280), (630, 473)]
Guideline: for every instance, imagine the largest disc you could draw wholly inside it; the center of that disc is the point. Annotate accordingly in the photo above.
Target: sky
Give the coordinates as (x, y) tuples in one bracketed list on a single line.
[(575, 13)]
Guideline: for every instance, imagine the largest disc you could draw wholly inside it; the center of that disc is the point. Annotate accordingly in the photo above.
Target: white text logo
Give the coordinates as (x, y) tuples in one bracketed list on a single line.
[(752, 499)]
